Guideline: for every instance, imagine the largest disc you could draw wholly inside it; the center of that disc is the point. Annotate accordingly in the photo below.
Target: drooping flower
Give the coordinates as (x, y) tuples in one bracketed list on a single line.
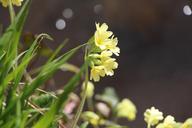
[(126, 109), (169, 122), (97, 72), (102, 35), (5, 3), (112, 46), (153, 116), (105, 45), (109, 66)]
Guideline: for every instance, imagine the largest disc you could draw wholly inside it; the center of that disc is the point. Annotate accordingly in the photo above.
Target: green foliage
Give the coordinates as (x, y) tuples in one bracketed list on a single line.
[(22, 103)]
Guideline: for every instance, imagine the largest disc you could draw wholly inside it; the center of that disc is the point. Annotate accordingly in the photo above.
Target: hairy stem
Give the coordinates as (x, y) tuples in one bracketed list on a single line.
[(80, 108)]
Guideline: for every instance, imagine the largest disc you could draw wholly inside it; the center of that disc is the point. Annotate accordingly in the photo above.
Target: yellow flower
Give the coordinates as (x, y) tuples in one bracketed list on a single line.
[(102, 36), (96, 72), (90, 89), (169, 122), (91, 117), (126, 109), (109, 65), (105, 46), (105, 55), (17, 2), (153, 116), (187, 123), (112, 46), (5, 3)]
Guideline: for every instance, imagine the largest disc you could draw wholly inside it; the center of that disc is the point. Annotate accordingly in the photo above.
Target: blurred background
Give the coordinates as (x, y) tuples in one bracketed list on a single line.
[(155, 64)]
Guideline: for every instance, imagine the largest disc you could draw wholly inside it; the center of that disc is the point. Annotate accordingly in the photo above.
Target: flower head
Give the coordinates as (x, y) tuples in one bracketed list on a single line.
[(126, 109), (109, 66), (112, 46), (97, 72), (5, 3), (187, 123), (105, 45), (90, 89), (102, 35), (153, 116), (169, 122), (91, 117)]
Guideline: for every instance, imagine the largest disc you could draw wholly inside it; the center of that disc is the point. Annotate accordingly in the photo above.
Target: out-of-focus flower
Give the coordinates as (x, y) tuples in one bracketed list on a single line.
[(153, 116), (187, 123), (91, 117), (103, 109), (126, 109), (90, 89), (169, 122), (5, 3)]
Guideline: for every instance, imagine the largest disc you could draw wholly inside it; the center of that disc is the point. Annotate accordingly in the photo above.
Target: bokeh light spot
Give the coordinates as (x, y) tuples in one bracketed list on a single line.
[(187, 10), (60, 24), (68, 13), (98, 8)]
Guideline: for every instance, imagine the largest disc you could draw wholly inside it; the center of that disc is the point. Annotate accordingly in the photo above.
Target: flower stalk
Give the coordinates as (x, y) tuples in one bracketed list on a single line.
[(11, 11), (80, 108)]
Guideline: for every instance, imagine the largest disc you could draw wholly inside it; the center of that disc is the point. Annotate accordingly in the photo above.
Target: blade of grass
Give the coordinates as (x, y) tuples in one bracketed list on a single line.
[(47, 119)]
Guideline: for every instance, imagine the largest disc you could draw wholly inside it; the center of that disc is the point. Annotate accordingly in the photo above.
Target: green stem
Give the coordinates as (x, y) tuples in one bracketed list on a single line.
[(148, 125), (80, 108), (11, 11), (90, 104)]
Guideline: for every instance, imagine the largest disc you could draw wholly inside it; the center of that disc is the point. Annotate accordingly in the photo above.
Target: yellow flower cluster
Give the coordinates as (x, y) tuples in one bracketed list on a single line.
[(91, 117), (5, 3), (105, 45), (153, 116), (187, 123), (169, 122), (126, 109)]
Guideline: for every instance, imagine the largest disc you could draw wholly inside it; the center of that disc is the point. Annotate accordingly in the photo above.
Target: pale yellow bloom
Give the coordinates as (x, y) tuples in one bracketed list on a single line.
[(102, 36), (90, 89), (17, 2), (153, 116), (109, 65), (91, 117), (105, 55), (108, 62), (126, 109), (169, 122), (97, 72), (5, 3), (101, 61), (187, 123), (112, 46)]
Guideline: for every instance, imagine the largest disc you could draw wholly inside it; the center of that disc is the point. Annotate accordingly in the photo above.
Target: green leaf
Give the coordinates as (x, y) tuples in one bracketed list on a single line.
[(17, 75), (84, 125), (10, 39), (47, 71), (109, 96), (47, 119)]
